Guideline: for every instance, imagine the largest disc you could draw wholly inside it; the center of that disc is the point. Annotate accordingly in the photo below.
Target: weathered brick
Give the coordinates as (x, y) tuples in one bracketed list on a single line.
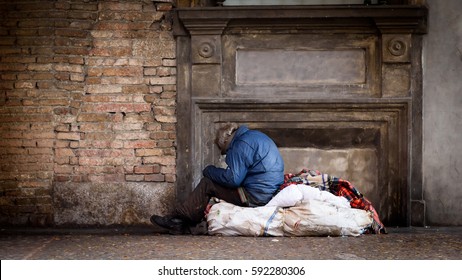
[(150, 71), (162, 160), (126, 26), (114, 51), (100, 161), (64, 152), (102, 33), (34, 41), (133, 71), (132, 135), (62, 160), (166, 169), (136, 144), (169, 62), (146, 169), (38, 135), (72, 42), (63, 76), (102, 144), (127, 126), (153, 127), (166, 119), (115, 6), (107, 43), (107, 178), (111, 153), (75, 33), (165, 111), (12, 67), (118, 107), (36, 151), (171, 178), (134, 178), (92, 117), (7, 85), (69, 68), (136, 89), (164, 102), (154, 177), (18, 59), (99, 135), (13, 151), (45, 143), (159, 135), (94, 126), (68, 136), (13, 135), (104, 89), (166, 71), (77, 77), (162, 80), (165, 144), (148, 152), (164, 6), (129, 80), (168, 95)]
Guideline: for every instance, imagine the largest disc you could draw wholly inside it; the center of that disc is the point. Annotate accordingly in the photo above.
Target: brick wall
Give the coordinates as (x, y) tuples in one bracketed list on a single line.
[(87, 96)]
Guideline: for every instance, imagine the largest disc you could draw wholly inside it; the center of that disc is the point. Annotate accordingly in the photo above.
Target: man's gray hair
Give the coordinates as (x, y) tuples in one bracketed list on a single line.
[(223, 134)]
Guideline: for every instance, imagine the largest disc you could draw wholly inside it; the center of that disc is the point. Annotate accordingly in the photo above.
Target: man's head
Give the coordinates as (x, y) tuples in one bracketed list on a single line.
[(224, 136)]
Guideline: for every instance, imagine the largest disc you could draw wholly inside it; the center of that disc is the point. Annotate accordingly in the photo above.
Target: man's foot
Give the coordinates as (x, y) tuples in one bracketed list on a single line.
[(174, 224)]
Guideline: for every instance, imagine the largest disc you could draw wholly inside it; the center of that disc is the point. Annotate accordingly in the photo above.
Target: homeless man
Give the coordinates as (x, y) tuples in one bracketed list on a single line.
[(254, 172)]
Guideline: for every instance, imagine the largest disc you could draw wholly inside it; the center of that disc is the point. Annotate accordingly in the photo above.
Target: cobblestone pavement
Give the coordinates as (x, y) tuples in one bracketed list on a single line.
[(146, 244)]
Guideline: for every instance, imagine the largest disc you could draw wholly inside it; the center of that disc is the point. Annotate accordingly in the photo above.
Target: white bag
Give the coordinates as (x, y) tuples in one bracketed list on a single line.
[(318, 218), (230, 220)]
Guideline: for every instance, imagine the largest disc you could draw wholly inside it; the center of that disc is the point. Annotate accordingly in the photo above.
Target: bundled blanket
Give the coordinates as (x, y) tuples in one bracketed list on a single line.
[(309, 203)]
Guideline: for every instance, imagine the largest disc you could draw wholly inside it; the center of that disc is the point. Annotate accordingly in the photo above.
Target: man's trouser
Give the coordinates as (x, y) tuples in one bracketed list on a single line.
[(192, 209)]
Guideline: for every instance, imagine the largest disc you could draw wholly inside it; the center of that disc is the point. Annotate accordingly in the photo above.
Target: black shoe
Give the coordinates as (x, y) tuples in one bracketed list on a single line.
[(174, 224)]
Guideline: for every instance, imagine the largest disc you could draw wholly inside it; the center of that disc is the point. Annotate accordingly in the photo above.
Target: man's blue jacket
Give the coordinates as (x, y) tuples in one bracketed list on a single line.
[(254, 162)]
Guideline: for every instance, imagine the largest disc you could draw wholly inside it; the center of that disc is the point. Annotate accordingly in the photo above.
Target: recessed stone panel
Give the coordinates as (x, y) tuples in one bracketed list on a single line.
[(300, 67), (206, 79), (396, 80)]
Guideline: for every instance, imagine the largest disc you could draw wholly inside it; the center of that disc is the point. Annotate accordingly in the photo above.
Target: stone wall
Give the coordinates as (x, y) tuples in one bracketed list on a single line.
[(87, 111), (442, 115)]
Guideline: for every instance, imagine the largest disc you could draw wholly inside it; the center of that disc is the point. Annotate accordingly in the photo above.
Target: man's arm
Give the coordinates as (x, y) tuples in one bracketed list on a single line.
[(224, 177), (238, 159)]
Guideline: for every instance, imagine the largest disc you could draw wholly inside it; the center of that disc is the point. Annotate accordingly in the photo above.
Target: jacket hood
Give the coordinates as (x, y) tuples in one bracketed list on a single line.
[(239, 132)]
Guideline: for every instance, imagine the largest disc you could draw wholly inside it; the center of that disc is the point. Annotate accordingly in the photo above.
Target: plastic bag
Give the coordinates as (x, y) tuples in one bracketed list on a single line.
[(230, 220), (318, 218)]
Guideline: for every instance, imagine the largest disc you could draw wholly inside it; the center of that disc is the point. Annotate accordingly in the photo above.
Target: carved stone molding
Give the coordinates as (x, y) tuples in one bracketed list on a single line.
[(396, 47), (388, 19), (206, 49)]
